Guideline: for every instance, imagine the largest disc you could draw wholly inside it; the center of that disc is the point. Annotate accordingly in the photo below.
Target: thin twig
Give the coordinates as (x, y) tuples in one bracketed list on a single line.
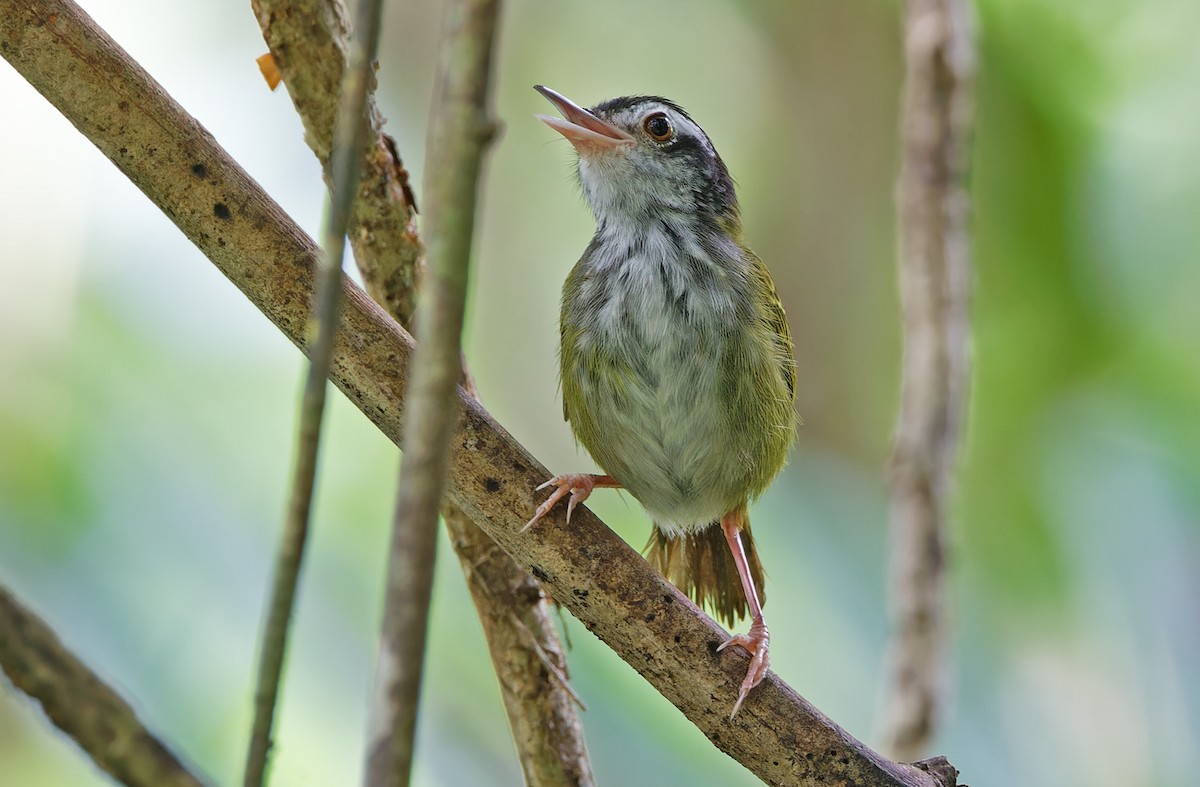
[(934, 285), (81, 704), (604, 582), (306, 38), (349, 136), (459, 132)]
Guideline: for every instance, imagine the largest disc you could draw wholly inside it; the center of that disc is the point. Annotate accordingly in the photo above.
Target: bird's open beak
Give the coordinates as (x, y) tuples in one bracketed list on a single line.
[(582, 129)]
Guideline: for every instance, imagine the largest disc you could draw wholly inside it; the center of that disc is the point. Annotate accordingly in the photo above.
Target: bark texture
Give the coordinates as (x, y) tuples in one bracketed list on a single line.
[(309, 40)]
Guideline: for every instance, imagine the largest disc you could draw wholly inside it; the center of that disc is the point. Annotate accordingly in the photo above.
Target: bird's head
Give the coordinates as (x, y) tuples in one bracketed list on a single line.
[(642, 158)]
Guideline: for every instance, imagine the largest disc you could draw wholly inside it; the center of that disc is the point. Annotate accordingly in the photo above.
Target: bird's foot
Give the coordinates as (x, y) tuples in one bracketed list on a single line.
[(756, 643), (577, 485)]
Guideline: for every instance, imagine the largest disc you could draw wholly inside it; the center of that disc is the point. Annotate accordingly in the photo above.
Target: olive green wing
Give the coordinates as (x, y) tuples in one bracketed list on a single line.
[(773, 315), (565, 336), (568, 336)]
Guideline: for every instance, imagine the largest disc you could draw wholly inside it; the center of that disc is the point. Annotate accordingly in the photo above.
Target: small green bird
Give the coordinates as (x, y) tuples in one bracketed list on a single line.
[(676, 360)]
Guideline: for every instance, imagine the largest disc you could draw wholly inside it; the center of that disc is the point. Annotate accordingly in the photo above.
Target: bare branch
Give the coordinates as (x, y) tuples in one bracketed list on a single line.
[(522, 638), (934, 283), (459, 132), (309, 41), (81, 704), (307, 37), (348, 138), (779, 736)]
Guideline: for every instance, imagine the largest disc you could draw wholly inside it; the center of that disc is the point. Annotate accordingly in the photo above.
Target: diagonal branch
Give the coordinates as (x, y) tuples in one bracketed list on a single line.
[(81, 704), (307, 39), (779, 736), (931, 205)]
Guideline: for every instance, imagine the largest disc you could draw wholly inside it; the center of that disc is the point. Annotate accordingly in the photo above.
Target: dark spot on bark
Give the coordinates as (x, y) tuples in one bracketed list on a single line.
[(650, 618), (221, 211), (221, 242), (586, 552), (123, 106), (123, 150), (808, 756), (540, 573), (844, 761), (492, 485), (200, 171), (712, 647), (580, 593), (667, 597), (678, 638)]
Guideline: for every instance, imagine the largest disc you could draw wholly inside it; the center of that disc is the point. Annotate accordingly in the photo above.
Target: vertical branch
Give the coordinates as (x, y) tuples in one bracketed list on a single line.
[(934, 274), (348, 138), (307, 42), (459, 132)]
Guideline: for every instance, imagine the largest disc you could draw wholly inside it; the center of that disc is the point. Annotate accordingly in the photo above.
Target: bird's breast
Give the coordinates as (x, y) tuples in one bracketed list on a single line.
[(650, 350)]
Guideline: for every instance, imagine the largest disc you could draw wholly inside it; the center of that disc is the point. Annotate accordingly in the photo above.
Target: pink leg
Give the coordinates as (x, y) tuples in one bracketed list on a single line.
[(758, 641), (578, 485)]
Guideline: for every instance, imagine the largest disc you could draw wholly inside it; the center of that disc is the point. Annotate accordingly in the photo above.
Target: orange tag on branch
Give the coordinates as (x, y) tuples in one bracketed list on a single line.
[(270, 71)]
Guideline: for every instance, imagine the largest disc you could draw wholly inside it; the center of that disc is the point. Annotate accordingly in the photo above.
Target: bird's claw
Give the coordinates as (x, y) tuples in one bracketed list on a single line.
[(757, 643), (577, 485)]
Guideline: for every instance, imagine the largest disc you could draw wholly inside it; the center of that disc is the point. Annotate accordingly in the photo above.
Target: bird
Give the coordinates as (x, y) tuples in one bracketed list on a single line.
[(676, 361)]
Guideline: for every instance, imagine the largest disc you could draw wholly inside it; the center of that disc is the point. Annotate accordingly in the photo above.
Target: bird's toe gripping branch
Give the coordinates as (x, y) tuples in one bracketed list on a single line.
[(757, 643), (578, 485)]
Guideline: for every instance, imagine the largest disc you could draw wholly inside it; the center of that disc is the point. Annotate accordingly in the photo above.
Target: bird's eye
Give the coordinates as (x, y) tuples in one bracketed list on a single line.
[(659, 127)]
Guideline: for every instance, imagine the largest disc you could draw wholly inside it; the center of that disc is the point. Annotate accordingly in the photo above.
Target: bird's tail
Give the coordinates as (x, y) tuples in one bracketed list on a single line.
[(701, 565)]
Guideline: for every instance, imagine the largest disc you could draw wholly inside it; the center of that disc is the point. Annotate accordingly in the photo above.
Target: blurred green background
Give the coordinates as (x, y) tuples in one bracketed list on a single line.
[(147, 410)]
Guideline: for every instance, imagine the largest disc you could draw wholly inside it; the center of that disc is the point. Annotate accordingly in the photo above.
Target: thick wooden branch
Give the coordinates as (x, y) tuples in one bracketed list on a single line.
[(81, 704), (934, 260), (778, 735), (307, 39)]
